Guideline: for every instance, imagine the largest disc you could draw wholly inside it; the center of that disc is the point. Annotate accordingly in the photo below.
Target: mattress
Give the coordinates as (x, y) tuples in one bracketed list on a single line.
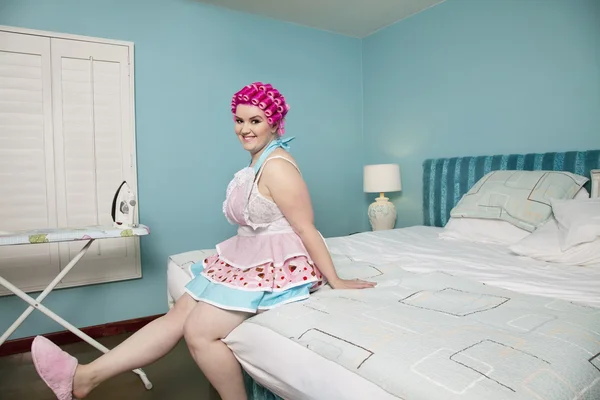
[(343, 345)]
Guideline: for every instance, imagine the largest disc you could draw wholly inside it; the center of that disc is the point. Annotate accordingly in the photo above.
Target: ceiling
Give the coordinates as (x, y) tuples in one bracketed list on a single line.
[(356, 18)]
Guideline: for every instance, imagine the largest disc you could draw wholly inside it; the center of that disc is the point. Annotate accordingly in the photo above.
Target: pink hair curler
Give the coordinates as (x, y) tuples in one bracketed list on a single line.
[(265, 97)]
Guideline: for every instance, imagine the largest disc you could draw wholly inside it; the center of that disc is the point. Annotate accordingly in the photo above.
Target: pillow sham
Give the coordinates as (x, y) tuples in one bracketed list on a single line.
[(544, 245), (496, 231), (521, 198), (578, 221), (482, 231)]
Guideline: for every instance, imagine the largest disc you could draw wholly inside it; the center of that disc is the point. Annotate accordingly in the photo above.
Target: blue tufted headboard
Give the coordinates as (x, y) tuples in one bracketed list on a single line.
[(446, 180)]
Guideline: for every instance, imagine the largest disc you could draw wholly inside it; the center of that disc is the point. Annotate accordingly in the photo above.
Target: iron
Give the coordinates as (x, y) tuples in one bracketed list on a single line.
[(123, 207)]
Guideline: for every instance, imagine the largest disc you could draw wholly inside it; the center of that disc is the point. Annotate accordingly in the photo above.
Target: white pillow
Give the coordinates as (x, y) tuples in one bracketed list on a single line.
[(578, 220), (582, 194), (519, 197), (483, 231), (544, 244), (489, 230)]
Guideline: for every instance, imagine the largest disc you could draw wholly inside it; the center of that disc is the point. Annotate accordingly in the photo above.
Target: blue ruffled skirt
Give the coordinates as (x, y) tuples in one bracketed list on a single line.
[(235, 299)]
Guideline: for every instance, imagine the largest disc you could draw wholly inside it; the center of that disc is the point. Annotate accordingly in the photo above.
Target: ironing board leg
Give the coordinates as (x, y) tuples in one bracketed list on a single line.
[(35, 304), (46, 291)]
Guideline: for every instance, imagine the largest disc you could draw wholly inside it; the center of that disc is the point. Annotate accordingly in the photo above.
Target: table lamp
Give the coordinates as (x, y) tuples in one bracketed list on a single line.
[(382, 178)]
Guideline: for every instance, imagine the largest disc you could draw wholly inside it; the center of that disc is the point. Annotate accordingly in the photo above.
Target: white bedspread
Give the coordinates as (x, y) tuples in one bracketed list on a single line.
[(321, 365), (418, 249), (425, 337)]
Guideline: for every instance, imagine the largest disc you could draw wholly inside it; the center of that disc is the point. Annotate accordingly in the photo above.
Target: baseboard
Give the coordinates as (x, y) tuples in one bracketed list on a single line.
[(23, 345)]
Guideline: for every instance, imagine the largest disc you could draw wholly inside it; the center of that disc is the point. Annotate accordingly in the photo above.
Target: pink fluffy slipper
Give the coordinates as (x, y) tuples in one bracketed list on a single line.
[(54, 366)]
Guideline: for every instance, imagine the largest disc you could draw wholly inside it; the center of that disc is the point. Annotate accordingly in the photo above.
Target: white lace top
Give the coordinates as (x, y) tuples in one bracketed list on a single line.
[(256, 211)]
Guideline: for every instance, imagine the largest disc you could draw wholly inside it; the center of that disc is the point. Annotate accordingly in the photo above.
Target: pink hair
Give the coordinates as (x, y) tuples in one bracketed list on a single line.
[(265, 97)]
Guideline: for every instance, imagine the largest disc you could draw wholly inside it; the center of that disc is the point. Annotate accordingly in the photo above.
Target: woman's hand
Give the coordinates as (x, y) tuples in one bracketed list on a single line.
[(351, 284)]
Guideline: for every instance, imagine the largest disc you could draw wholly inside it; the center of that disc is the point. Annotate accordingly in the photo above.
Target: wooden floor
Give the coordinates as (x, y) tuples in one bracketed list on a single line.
[(175, 376)]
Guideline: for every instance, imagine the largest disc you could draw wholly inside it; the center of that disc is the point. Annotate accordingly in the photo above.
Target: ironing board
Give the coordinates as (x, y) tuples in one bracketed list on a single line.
[(88, 234)]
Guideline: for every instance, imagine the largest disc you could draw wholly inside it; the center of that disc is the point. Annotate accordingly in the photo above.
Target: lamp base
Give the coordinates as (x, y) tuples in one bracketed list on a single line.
[(382, 214)]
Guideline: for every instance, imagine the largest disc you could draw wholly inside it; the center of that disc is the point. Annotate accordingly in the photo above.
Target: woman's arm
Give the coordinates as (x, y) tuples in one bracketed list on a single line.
[(288, 190)]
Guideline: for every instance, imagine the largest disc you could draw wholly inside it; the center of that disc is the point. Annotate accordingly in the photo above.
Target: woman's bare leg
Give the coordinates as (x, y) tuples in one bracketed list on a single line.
[(145, 346), (205, 327)]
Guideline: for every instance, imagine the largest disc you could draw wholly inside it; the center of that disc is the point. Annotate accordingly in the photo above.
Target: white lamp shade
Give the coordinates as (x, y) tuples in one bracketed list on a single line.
[(382, 178)]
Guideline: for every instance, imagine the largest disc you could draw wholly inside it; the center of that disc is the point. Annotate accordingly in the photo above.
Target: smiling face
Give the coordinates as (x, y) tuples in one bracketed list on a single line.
[(252, 128)]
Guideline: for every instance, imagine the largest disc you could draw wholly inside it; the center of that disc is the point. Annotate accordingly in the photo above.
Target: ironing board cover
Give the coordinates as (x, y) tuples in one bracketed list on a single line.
[(53, 235)]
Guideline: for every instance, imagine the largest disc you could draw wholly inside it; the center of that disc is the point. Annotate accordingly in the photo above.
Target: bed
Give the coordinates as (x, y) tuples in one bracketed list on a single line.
[(450, 318)]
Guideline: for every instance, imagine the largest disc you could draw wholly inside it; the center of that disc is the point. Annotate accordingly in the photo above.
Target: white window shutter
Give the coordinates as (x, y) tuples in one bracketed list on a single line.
[(27, 182), (94, 142)]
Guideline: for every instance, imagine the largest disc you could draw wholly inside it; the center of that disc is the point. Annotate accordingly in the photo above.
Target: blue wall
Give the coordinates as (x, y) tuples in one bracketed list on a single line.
[(478, 77), (190, 58)]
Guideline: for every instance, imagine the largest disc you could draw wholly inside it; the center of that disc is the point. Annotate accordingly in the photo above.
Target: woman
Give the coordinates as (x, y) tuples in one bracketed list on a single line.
[(271, 261)]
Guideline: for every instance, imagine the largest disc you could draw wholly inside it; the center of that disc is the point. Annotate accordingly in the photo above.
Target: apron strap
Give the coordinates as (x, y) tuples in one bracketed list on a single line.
[(283, 143)]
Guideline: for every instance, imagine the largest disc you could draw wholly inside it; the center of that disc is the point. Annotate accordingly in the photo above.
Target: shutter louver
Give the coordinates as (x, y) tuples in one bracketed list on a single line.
[(91, 86), (27, 187)]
